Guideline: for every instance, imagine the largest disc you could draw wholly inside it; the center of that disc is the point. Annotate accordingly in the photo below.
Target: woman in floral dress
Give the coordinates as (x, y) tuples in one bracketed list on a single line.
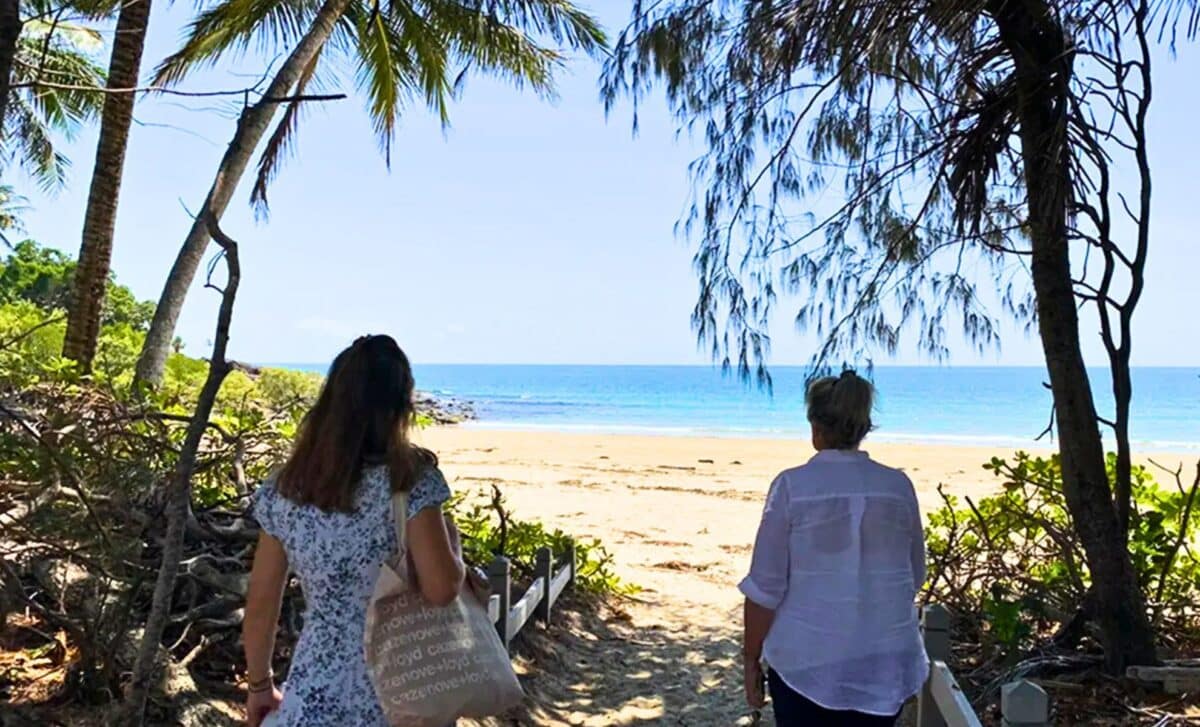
[(327, 516)]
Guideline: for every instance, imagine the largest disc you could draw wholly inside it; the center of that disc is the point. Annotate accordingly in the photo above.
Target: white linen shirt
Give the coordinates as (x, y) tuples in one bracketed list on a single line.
[(839, 557)]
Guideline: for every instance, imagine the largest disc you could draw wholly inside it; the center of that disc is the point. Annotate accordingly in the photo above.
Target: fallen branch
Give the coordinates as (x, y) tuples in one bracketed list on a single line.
[(76, 484)]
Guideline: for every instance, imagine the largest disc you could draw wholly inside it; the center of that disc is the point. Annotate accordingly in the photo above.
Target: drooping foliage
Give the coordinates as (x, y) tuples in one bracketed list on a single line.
[(863, 157)]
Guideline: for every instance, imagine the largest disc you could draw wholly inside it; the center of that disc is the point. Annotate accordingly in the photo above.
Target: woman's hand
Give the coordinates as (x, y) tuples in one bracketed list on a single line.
[(260, 704), (755, 694), (479, 583)]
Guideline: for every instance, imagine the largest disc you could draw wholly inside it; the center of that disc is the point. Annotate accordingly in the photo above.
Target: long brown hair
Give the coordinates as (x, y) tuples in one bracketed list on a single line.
[(361, 418)]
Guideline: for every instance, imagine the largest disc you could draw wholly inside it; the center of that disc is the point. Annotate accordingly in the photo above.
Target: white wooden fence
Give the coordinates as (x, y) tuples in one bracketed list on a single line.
[(539, 599), (942, 702)]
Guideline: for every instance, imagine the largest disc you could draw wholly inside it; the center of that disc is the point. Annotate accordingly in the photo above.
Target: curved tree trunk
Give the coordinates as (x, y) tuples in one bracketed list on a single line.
[(10, 31), (178, 505), (95, 251), (251, 126), (1043, 65)]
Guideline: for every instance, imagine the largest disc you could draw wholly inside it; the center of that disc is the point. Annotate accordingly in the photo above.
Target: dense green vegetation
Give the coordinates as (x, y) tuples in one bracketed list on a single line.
[(1013, 567), (92, 455), (489, 529), (265, 405)]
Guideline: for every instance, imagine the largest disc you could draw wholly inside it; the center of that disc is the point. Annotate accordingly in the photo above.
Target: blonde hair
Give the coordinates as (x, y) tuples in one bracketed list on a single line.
[(840, 406)]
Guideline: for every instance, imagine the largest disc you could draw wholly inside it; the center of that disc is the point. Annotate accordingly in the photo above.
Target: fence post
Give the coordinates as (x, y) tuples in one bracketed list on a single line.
[(500, 579), (571, 561), (544, 569), (1024, 704), (935, 624)]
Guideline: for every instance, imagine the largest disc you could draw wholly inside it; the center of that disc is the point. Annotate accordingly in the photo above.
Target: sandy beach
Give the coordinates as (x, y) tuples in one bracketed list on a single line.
[(679, 515)]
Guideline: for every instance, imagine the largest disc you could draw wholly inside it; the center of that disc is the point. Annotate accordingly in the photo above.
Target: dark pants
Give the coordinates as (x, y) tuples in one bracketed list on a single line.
[(794, 710)]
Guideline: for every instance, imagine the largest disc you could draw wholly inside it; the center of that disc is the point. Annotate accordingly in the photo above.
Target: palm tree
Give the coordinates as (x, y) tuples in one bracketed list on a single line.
[(95, 251), (402, 50), (51, 92), (10, 32)]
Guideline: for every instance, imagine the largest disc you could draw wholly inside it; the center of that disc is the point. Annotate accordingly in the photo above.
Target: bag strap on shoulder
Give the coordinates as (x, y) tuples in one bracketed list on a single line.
[(400, 518)]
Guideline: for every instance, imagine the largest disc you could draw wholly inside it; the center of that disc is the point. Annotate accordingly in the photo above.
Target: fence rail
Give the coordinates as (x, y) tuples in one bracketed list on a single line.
[(550, 581), (942, 702)]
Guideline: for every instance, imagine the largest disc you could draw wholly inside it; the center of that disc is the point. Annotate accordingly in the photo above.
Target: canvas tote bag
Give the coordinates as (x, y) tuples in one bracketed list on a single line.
[(431, 665)]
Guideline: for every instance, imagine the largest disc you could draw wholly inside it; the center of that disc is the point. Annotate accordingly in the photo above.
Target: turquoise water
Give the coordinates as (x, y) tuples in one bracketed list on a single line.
[(969, 406)]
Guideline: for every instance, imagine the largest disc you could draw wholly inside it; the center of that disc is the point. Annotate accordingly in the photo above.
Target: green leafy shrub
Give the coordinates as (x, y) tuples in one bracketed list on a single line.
[(488, 530), (42, 276), (30, 343), (1014, 557)]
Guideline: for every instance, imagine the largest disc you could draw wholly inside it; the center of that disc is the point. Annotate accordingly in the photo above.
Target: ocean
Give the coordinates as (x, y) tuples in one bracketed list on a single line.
[(988, 406)]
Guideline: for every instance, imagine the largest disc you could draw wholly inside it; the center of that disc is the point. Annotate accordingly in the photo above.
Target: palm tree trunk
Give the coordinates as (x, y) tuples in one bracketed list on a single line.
[(95, 251), (1043, 67), (252, 125), (10, 32)]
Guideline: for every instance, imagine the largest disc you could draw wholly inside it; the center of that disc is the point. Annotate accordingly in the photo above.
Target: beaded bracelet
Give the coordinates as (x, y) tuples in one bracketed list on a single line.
[(262, 685)]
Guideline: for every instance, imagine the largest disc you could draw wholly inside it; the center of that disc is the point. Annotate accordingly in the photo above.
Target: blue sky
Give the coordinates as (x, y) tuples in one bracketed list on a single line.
[(529, 232)]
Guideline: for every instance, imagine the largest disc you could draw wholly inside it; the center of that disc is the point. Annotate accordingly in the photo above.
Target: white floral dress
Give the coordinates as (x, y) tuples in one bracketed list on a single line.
[(337, 557)]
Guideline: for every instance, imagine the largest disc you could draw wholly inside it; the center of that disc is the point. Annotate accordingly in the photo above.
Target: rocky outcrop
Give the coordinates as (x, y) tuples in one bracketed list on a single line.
[(443, 410)]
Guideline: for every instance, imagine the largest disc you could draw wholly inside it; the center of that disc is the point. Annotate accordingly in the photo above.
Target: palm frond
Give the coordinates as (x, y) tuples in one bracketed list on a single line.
[(402, 51), (491, 45), (559, 20), (55, 77), (236, 25), (34, 147), (282, 141), (67, 34), (68, 99), (400, 56)]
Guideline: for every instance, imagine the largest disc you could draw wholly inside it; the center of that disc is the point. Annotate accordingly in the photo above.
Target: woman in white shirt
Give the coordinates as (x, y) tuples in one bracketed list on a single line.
[(838, 560)]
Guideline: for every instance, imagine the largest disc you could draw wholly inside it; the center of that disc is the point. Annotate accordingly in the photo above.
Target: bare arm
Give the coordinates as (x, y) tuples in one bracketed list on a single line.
[(765, 588), (757, 622), (263, 598), (436, 556)]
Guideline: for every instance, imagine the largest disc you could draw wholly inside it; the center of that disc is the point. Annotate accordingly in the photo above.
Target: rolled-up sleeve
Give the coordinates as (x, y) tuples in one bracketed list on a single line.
[(767, 582)]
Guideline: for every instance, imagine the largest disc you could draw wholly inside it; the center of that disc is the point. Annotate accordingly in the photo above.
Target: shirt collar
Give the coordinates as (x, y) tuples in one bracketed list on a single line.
[(840, 455)]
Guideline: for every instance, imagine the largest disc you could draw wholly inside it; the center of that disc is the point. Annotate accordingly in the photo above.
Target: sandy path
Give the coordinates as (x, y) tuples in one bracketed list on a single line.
[(679, 514)]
